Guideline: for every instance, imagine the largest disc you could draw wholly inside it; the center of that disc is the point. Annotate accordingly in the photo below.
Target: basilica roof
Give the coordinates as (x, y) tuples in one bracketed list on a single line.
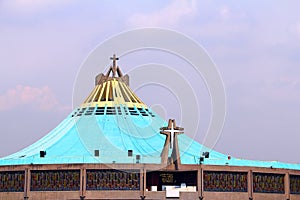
[(113, 125)]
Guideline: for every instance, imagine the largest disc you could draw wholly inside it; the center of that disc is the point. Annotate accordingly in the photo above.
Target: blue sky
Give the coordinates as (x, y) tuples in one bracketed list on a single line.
[(255, 45)]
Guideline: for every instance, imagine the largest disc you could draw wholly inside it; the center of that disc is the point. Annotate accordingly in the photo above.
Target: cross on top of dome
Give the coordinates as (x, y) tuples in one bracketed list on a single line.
[(114, 69), (113, 73), (114, 59)]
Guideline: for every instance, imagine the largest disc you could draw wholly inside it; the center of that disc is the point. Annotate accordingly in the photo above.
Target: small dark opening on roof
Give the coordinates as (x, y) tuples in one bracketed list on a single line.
[(96, 153), (42, 154)]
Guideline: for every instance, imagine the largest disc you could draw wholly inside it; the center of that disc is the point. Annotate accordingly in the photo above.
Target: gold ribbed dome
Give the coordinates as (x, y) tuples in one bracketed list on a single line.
[(111, 91)]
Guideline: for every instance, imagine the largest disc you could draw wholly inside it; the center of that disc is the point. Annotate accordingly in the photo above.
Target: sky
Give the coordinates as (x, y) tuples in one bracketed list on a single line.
[(254, 44)]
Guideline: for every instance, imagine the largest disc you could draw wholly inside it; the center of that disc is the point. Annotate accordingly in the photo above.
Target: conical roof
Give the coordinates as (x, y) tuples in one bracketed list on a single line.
[(111, 124)]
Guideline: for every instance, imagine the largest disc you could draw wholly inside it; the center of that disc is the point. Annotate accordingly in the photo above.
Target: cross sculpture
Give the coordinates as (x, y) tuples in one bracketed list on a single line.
[(171, 142), (113, 72), (114, 67)]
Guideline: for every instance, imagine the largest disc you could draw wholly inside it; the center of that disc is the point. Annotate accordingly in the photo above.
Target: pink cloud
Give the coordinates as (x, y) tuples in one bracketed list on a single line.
[(39, 98)]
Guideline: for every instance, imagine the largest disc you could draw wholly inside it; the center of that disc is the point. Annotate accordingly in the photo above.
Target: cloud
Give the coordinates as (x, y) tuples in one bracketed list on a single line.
[(25, 7), (169, 15), (224, 12), (42, 99), (283, 91), (294, 29)]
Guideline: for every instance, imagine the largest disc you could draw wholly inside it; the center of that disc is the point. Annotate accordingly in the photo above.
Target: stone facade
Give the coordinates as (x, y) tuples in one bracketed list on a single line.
[(131, 181)]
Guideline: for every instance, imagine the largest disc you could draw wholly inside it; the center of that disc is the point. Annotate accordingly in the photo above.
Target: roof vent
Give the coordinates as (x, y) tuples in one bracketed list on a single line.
[(42, 154), (201, 160), (206, 154), (96, 153), (130, 153), (138, 157)]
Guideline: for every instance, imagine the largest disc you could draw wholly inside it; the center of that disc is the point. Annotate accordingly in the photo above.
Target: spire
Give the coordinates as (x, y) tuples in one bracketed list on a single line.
[(112, 89), (114, 72), (114, 67), (114, 59)]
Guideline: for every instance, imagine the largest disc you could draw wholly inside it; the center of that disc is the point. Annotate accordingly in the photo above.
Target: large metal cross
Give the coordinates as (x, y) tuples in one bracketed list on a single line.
[(114, 67), (172, 129)]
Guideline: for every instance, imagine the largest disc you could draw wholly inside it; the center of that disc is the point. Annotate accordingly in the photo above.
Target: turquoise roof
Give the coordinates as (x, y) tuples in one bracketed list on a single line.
[(111, 121), (76, 138)]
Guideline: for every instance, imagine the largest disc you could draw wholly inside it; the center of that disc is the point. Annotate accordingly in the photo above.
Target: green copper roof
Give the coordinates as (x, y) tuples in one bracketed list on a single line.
[(77, 137), (112, 121)]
